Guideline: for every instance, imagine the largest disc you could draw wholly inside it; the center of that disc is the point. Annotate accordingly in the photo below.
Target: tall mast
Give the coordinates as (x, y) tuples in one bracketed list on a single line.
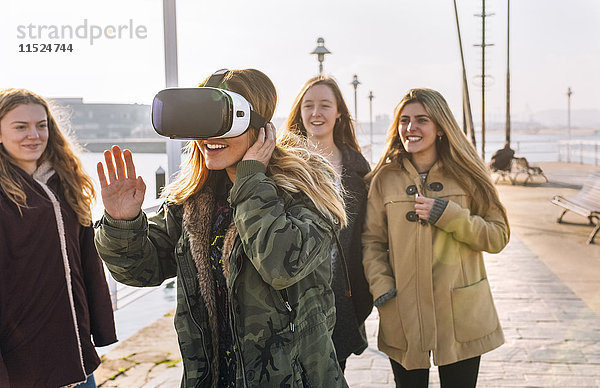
[(483, 45), (466, 101)]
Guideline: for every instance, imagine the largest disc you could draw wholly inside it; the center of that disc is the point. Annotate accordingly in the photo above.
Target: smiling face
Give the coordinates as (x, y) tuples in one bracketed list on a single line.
[(24, 134), (224, 153), (418, 132), (319, 112)]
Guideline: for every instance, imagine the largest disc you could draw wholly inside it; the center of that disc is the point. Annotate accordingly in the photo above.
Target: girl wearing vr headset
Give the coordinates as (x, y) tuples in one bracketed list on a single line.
[(53, 292), (320, 115), (248, 227), (432, 193)]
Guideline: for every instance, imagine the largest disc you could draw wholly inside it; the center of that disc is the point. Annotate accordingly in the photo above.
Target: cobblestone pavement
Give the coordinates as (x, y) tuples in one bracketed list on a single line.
[(552, 337)]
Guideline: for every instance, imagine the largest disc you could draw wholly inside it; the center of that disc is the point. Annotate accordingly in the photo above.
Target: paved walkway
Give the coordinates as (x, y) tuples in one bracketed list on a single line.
[(552, 337)]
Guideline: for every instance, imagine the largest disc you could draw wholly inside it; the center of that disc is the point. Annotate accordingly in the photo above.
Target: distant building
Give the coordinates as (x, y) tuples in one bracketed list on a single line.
[(108, 121)]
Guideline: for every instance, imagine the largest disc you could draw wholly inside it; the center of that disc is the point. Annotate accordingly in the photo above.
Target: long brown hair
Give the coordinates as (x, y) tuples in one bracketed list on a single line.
[(292, 166), (458, 157), (343, 131), (78, 188)]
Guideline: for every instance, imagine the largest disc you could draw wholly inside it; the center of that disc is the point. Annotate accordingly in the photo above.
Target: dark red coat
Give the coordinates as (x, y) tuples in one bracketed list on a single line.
[(39, 346)]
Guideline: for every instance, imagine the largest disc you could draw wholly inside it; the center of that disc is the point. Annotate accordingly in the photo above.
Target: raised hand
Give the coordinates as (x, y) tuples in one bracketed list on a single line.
[(124, 194), (263, 148)]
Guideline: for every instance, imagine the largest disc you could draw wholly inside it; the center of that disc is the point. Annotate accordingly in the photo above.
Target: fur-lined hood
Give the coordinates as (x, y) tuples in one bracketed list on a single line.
[(197, 220)]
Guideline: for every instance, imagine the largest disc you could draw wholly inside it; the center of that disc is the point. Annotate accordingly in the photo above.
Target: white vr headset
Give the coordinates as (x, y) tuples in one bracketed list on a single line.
[(204, 112)]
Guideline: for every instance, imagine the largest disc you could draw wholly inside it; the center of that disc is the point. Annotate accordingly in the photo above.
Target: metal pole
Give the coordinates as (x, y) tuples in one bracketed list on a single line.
[(160, 181), (355, 106), (355, 83), (569, 93), (508, 74), (468, 127), (371, 122), (483, 46), (171, 78), (559, 155), (112, 287), (483, 82)]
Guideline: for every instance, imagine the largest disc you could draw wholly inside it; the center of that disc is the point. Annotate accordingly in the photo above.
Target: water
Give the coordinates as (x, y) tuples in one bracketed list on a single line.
[(542, 146)]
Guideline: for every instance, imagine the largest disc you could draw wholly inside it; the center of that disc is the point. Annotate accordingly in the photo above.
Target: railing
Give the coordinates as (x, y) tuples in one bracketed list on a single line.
[(120, 294), (535, 149), (581, 151)]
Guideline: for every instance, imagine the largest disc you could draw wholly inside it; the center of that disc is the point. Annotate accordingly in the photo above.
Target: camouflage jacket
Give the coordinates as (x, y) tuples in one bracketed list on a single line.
[(279, 272)]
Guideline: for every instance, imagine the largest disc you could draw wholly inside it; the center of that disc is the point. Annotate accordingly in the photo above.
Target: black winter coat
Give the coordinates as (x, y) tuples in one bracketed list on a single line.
[(349, 333), (50, 305)]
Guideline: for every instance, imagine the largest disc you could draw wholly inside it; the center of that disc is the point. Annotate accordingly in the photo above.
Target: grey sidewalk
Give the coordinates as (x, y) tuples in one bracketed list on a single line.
[(552, 337)]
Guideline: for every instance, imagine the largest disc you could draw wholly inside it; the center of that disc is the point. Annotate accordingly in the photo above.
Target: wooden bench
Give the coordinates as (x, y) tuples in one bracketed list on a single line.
[(586, 203), (522, 166)]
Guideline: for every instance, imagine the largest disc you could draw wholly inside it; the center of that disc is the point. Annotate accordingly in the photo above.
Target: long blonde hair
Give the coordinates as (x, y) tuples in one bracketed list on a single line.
[(343, 131), (292, 166), (458, 157), (77, 185)]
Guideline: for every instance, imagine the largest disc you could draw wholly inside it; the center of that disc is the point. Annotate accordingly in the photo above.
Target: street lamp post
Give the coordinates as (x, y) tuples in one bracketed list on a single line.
[(320, 51), (508, 74), (371, 97), (355, 82)]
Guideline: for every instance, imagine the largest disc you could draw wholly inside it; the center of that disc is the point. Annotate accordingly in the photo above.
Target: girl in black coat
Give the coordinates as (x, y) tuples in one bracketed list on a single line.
[(54, 301), (320, 114)]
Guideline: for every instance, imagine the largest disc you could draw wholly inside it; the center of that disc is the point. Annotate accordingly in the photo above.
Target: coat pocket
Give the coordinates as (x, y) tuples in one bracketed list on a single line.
[(473, 311), (391, 331), (301, 379)]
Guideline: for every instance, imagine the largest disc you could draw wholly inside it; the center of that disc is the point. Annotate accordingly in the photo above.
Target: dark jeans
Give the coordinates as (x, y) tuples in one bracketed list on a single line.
[(462, 374), (89, 383)]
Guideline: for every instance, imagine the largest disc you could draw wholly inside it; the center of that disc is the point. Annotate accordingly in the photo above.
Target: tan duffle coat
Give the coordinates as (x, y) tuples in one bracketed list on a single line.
[(444, 304)]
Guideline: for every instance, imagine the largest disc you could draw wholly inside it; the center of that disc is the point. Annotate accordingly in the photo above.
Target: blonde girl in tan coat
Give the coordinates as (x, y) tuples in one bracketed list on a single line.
[(431, 212)]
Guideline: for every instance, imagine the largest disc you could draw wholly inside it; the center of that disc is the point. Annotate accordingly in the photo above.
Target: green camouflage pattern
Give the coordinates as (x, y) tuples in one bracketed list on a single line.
[(281, 302), (145, 252), (281, 298)]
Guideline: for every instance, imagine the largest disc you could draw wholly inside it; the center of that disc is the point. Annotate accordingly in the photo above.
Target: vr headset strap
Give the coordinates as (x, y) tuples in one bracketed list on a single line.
[(257, 121), (216, 78)]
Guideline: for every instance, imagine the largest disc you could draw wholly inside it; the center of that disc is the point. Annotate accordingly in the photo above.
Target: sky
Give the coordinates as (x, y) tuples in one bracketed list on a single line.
[(392, 45)]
